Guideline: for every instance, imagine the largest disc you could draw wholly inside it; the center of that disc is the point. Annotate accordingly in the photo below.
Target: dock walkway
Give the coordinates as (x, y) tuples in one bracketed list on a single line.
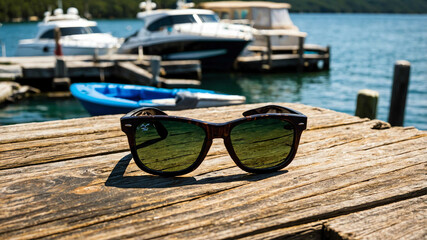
[(125, 68), (352, 178)]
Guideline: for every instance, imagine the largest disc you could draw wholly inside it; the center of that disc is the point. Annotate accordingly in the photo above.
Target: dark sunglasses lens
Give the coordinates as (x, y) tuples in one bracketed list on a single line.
[(262, 143), (168, 146)]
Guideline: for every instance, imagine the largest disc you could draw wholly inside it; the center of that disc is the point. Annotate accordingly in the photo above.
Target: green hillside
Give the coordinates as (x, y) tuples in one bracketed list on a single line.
[(359, 6), (10, 9)]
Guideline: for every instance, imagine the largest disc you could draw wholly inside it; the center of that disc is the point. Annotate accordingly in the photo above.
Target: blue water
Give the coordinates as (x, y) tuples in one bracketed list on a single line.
[(364, 50)]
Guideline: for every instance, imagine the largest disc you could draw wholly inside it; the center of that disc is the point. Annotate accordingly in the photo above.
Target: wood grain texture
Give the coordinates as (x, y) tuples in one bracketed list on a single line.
[(36, 143), (401, 220), (75, 179)]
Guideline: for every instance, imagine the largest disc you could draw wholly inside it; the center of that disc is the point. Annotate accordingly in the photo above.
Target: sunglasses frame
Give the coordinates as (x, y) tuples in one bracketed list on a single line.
[(133, 119)]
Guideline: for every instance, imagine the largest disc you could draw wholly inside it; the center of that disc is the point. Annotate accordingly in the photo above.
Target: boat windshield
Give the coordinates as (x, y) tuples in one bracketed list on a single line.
[(208, 17), (70, 31), (280, 18), (180, 19)]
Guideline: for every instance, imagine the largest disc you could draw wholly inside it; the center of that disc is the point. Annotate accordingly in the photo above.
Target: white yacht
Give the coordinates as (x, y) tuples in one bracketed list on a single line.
[(79, 36), (267, 18), (188, 34)]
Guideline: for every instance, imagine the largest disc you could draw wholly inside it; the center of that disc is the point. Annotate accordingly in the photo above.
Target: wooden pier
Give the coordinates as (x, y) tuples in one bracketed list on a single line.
[(352, 178), (36, 71), (304, 57)]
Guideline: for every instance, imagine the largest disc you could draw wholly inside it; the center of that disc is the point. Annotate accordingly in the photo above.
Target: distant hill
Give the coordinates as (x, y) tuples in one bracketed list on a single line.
[(23, 9), (359, 6)]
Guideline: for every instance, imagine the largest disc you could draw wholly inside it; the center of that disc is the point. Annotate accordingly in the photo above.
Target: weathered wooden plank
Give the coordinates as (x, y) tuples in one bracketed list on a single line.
[(82, 69), (222, 216), (182, 69), (318, 118), (104, 67), (278, 60), (52, 133), (134, 73), (52, 59), (215, 200), (311, 231), (178, 83), (401, 220), (342, 166), (38, 70), (34, 145), (290, 49), (13, 69), (69, 123), (64, 144), (75, 69)]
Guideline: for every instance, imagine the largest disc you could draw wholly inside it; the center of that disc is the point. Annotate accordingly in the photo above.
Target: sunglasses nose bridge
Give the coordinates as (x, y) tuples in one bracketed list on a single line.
[(220, 131)]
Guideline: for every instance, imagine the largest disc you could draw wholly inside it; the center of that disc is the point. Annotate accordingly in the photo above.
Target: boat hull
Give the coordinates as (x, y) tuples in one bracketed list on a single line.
[(49, 50), (110, 98), (214, 54)]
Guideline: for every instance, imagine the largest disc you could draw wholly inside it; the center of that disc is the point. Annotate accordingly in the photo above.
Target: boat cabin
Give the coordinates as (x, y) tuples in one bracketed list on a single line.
[(259, 14), (69, 24), (160, 19)]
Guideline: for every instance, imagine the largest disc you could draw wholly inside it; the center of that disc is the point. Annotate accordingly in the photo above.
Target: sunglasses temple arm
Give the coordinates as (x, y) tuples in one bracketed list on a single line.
[(270, 109), (150, 111), (145, 111), (161, 130)]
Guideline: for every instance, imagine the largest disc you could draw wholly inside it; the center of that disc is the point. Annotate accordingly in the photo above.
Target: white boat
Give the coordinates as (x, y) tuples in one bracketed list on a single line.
[(79, 36), (188, 34), (267, 18)]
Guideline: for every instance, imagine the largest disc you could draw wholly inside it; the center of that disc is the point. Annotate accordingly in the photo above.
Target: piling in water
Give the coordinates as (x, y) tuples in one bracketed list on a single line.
[(399, 91), (367, 101)]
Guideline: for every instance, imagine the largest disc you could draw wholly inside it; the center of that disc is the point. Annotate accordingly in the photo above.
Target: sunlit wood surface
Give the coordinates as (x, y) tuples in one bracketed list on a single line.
[(352, 178)]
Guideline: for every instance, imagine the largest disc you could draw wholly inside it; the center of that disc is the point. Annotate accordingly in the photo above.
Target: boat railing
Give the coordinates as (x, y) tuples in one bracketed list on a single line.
[(245, 22)]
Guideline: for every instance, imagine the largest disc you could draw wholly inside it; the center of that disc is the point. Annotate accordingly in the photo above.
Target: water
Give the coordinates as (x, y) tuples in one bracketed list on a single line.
[(364, 50)]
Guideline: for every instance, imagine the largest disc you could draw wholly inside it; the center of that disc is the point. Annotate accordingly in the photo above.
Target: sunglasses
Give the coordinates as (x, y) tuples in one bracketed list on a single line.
[(265, 140)]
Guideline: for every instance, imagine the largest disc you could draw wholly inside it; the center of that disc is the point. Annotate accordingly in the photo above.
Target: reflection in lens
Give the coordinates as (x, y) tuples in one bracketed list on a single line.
[(168, 146), (262, 143)]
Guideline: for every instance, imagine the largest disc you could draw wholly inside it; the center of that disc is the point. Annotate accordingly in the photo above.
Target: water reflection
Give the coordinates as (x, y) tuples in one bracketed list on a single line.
[(261, 87), (41, 108)]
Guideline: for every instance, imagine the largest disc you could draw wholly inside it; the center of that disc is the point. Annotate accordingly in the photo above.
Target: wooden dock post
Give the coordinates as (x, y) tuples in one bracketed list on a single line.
[(140, 54), (96, 55), (300, 54), (367, 101), (399, 91), (3, 49), (326, 62), (155, 68), (269, 53), (61, 78), (60, 68)]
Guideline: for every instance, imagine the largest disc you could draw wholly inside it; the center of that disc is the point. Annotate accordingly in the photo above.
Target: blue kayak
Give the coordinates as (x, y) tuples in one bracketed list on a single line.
[(112, 98)]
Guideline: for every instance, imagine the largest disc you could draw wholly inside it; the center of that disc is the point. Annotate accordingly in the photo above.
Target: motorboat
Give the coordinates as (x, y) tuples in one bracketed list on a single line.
[(269, 19), (188, 34), (79, 36), (113, 98)]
